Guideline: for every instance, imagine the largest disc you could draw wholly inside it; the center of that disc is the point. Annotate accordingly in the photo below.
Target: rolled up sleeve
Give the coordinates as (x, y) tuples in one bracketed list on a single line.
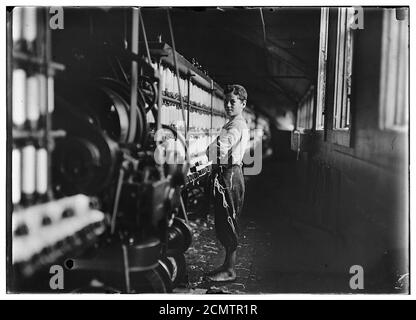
[(226, 141)]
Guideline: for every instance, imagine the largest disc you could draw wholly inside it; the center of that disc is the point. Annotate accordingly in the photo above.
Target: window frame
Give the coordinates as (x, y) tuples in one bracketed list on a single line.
[(342, 137), (391, 62), (321, 88), (343, 61)]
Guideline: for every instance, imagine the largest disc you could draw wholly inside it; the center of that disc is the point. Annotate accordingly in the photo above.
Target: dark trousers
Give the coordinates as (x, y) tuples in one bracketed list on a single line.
[(228, 196)]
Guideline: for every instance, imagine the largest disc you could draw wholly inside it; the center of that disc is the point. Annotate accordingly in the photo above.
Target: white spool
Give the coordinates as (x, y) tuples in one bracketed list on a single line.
[(32, 102), (28, 169), (41, 171), (16, 175), (191, 86), (19, 97), (17, 24), (162, 110), (175, 84), (168, 80), (164, 79), (43, 83), (51, 97), (170, 115), (29, 24), (173, 115)]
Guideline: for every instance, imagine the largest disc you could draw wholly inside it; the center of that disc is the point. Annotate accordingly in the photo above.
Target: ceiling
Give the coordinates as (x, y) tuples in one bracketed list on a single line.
[(276, 65), (275, 61)]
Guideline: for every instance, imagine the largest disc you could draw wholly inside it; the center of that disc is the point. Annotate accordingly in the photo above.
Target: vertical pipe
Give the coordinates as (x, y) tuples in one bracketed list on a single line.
[(134, 70), (126, 267)]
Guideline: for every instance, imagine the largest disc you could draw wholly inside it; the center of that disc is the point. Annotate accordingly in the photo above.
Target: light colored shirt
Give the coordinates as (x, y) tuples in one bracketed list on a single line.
[(233, 139)]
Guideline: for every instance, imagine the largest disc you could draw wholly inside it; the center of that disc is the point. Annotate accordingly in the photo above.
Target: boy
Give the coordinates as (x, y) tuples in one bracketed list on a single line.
[(226, 153)]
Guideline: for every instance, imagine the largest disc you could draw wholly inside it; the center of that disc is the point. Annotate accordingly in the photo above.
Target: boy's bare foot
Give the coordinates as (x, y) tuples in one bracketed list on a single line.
[(224, 275)]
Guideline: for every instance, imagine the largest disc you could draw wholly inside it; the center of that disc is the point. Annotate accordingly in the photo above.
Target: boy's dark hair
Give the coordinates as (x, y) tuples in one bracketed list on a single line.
[(236, 89)]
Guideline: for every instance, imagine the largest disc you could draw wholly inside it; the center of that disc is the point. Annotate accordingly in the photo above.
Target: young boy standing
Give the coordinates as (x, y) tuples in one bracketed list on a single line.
[(226, 153)]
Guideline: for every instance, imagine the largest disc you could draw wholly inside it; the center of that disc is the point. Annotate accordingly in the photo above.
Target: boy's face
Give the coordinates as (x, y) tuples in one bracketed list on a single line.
[(233, 105)]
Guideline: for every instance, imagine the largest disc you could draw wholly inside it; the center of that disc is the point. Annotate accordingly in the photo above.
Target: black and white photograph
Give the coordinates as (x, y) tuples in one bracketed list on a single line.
[(232, 150)]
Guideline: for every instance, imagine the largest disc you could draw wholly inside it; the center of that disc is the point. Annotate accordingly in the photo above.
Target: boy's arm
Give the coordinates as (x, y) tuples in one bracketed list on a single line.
[(225, 142)]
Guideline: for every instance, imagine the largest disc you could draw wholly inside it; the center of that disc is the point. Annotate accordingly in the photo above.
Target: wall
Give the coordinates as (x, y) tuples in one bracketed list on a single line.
[(358, 193)]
